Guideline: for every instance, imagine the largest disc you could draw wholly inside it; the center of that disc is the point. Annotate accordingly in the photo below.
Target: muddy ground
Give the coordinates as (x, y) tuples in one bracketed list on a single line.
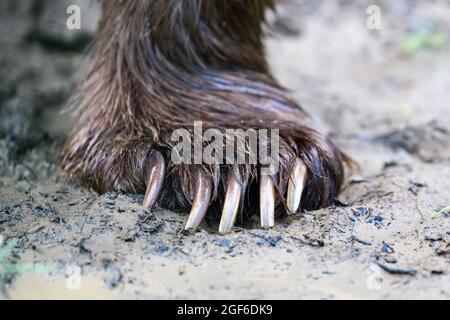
[(384, 97)]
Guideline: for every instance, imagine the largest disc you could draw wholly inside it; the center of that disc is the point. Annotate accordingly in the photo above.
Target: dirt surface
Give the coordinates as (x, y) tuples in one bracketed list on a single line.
[(384, 99)]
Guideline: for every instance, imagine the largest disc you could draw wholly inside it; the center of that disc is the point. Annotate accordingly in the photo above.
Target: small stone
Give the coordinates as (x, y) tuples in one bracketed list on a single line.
[(223, 242)]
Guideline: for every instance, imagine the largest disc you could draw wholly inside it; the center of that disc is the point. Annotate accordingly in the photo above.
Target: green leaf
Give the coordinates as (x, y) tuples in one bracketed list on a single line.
[(29, 267), (443, 212), (437, 41), (413, 43)]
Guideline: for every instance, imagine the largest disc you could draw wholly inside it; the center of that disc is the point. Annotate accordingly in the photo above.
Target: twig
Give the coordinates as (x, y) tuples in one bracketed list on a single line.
[(392, 270), (364, 242), (310, 242)]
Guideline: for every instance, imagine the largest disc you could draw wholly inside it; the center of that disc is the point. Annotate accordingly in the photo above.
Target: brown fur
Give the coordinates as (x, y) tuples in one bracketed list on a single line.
[(159, 65)]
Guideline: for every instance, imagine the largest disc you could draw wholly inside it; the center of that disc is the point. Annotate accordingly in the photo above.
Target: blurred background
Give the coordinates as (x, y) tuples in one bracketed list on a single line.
[(382, 92)]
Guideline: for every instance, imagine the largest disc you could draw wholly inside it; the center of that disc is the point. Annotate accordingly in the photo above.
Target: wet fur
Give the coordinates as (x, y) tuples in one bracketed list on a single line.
[(160, 65)]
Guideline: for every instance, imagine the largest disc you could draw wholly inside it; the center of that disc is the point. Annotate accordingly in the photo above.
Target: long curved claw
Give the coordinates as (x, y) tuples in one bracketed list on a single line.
[(202, 199), (230, 206), (157, 167), (267, 202), (296, 185)]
